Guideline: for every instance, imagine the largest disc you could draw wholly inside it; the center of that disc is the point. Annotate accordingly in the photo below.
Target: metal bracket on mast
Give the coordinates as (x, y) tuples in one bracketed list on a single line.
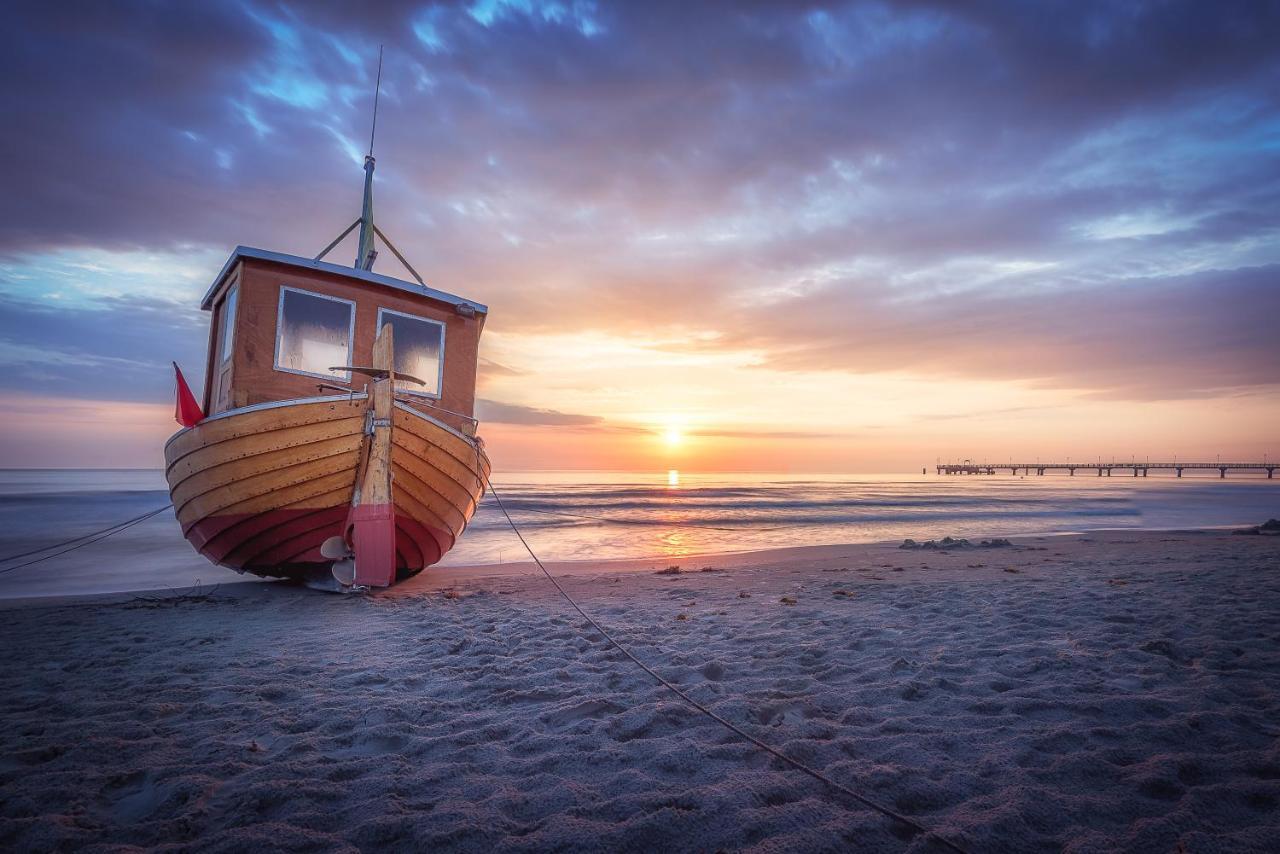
[(337, 240), (399, 257)]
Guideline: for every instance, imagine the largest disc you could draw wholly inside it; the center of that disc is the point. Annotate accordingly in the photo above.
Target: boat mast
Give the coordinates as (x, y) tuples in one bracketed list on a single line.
[(366, 253)]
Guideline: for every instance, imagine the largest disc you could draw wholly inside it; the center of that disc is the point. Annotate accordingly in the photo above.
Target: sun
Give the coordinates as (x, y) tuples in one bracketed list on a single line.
[(671, 431)]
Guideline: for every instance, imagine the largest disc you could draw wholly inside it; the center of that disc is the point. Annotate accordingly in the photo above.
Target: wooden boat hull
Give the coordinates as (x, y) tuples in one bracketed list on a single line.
[(260, 489)]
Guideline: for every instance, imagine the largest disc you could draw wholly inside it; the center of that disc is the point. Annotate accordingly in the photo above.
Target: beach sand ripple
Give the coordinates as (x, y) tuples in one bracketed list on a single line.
[(1116, 693)]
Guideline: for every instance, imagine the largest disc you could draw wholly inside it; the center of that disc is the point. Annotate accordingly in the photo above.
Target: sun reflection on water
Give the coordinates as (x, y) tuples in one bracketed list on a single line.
[(673, 477), (675, 544)]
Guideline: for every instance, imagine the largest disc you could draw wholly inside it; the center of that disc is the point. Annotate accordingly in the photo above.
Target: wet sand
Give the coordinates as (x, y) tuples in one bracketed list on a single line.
[(1103, 692)]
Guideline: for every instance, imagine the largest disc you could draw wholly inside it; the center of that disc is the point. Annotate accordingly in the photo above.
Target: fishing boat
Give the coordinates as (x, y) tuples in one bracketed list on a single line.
[(336, 442)]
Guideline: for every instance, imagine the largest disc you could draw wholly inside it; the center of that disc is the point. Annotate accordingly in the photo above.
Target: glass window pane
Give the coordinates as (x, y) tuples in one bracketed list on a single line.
[(315, 333), (228, 323), (418, 343)]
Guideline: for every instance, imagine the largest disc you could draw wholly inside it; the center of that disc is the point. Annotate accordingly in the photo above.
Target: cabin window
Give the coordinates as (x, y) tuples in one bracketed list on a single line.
[(419, 350), (313, 333), (228, 322)]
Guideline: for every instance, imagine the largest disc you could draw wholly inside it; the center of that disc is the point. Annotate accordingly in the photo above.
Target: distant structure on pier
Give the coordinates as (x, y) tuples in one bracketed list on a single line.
[(1138, 469)]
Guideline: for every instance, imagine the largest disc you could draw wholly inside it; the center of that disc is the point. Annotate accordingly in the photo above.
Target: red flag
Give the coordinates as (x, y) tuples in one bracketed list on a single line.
[(187, 412)]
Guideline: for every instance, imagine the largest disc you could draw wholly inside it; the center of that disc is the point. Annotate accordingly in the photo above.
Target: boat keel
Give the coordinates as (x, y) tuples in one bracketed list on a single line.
[(374, 539)]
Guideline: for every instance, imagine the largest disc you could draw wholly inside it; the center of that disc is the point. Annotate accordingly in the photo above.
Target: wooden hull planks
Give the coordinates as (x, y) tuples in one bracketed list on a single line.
[(259, 489)]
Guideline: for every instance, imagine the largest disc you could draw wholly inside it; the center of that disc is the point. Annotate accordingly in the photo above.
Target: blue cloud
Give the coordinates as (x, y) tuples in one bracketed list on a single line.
[(632, 165), (119, 349)]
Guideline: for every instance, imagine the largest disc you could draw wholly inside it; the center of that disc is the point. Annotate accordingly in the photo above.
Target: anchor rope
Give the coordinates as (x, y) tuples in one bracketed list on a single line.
[(915, 826), (89, 539)]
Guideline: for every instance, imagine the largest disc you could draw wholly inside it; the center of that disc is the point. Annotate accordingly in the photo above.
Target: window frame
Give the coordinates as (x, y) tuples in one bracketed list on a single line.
[(351, 334), (227, 345), (444, 330)]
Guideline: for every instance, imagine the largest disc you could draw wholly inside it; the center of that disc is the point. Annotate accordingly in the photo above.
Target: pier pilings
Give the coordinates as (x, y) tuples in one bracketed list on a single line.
[(1106, 469)]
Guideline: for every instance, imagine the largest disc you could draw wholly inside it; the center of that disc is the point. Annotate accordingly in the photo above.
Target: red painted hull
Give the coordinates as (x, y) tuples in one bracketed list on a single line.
[(260, 490), (284, 543)]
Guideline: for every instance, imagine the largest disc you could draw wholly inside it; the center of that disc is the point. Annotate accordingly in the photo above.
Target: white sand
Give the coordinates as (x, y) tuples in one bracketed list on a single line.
[(1119, 692)]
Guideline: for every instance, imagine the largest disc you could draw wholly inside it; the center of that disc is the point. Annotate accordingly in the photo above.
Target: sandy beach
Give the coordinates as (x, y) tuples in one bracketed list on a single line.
[(1102, 692)]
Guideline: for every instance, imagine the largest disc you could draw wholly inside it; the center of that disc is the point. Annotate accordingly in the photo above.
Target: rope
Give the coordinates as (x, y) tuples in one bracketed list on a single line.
[(95, 535), (915, 826)]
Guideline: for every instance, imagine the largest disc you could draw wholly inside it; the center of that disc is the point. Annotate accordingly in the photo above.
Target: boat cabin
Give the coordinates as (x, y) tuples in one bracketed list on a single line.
[(282, 323)]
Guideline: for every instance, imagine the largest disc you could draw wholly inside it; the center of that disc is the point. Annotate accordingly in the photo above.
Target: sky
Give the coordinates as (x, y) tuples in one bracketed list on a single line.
[(712, 236)]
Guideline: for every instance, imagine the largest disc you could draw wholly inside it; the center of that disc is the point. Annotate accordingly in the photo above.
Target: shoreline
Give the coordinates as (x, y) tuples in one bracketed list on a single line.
[(440, 578), (629, 562), (154, 556), (794, 558)]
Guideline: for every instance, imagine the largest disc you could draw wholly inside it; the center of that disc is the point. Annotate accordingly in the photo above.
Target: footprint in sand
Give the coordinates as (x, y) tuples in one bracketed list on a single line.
[(585, 710), (135, 797), (785, 713), (376, 745)]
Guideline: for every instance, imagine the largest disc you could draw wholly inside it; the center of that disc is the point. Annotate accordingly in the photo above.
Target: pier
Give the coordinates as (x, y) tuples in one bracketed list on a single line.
[(1139, 469)]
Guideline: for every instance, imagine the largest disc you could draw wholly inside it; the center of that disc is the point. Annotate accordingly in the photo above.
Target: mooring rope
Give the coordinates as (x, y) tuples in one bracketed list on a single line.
[(89, 539), (915, 826)]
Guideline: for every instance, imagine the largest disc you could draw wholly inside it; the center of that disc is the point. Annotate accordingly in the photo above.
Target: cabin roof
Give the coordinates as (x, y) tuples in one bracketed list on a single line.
[(337, 269)]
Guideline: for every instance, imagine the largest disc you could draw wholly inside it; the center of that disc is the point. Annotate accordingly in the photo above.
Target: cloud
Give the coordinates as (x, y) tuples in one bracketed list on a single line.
[(1170, 337), (1077, 195), (984, 414), (766, 434), (490, 369), (496, 412), (117, 349)]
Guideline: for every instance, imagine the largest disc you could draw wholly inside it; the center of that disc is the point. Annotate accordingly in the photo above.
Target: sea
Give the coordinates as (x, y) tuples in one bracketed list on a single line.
[(594, 515)]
